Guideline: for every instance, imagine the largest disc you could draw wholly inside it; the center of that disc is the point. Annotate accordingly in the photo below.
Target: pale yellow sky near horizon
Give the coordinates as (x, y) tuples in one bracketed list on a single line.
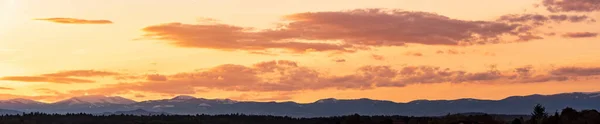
[(31, 47)]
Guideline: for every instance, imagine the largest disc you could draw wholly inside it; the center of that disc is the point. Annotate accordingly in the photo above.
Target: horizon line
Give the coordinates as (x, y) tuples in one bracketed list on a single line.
[(595, 92)]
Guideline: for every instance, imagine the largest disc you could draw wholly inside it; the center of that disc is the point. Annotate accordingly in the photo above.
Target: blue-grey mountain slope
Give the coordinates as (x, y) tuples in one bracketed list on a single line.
[(516, 105), (9, 112)]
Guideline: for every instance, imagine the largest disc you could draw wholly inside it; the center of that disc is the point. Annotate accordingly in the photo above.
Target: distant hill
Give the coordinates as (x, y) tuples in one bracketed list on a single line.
[(503, 117), (139, 112), (9, 112), (515, 105), (22, 104)]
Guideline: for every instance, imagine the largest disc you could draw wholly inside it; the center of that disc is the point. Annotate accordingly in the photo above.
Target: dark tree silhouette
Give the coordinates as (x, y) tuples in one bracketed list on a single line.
[(517, 121), (539, 114)]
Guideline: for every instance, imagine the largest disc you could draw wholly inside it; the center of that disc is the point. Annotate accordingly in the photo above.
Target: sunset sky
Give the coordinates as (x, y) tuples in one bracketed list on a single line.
[(298, 50)]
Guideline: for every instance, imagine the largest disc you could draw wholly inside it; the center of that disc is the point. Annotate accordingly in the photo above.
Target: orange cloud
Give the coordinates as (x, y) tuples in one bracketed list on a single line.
[(450, 51), (63, 77), (130, 77), (82, 73), (289, 76), (262, 53), (227, 37), (266, 76), (453, 51), (6, 88), (457, 52), (572, 5), (62, 80), (580, 34), (48, 91), (413, 54), (576, 71), (379, 27), (75, 21), (156, 77), (339, 60), (550, 34), (356, 30), (537, 20), (139, 96), (377, 57)]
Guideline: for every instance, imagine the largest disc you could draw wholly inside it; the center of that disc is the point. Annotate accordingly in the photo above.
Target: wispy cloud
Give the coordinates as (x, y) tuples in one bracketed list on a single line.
[(418, 54), (48, 91), (230, 38), (538, 19), (63, 77), (572, 5), (156, 77), (139, 96), (377, 57), (62, 80), (450, 52), (74, 21), (82, 73), (339, 60), (289, 76), (580, 34), (6, 88), (576, 71)]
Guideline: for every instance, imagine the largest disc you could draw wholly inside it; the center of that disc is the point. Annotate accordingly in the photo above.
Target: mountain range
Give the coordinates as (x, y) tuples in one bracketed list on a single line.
[(515, 105)]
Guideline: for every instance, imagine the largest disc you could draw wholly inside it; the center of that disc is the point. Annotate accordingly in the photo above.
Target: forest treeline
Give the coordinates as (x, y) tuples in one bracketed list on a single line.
[(538, 116)]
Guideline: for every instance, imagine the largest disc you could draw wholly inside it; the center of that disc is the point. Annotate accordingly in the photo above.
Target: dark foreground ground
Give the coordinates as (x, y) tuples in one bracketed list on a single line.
[(539, 116)]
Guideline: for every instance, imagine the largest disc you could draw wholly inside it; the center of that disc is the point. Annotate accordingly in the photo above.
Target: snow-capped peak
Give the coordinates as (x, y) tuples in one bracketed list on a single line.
[(96, 99), (226, 101), (183, 97), (590, 93), (328, 100), (21, 101)]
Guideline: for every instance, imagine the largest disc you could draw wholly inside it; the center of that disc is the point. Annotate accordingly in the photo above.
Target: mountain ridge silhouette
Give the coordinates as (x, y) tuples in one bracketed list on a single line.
[(514, 105)]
